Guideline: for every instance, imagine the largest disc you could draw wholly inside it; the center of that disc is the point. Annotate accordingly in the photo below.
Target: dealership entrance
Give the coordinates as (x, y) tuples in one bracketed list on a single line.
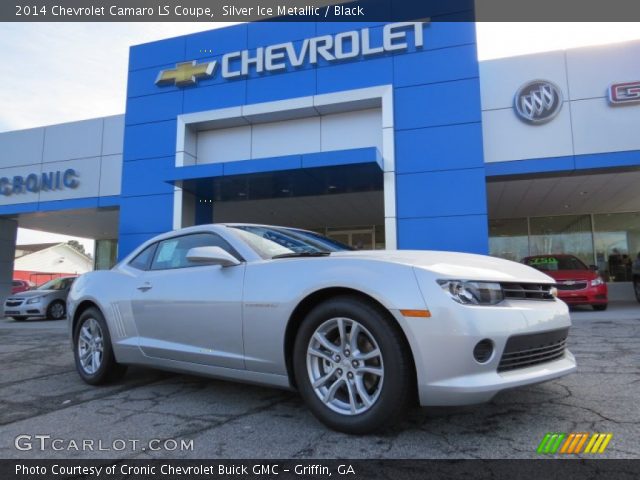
[(344, 202)]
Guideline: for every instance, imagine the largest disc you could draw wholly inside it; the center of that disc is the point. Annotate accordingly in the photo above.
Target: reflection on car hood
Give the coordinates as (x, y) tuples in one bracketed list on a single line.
[(456, 265), (32, 293)]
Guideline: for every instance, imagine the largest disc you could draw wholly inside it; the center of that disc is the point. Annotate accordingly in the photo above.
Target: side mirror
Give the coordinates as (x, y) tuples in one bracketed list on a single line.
[(211, 256), (593, 268)]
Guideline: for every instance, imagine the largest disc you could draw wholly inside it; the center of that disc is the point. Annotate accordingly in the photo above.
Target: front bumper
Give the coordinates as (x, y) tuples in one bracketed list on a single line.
[(24, 309), (442, 346), (587, 296)]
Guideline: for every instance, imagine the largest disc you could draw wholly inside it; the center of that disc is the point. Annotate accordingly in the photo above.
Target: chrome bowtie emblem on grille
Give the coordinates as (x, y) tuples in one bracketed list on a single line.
[(538, 101)]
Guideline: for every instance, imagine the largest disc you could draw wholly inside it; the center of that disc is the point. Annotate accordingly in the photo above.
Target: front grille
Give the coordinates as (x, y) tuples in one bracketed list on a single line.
[(13, 303), (571, 285), (527, 291), (523, 351)]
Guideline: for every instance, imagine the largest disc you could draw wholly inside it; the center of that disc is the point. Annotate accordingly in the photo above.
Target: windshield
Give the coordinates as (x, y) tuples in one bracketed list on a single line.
[(549, 263), (270, 242), (57, 284)]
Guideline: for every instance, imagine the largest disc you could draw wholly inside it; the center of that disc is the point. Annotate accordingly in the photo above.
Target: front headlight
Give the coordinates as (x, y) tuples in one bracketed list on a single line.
[(34, 300), (597, 281), (473, 293)]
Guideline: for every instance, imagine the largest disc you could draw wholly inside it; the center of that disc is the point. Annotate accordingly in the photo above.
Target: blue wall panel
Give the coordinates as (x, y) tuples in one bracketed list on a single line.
[(350, 75), (148, 176), (466, 233), (438, 104), (441, 65), (153, 108), (145, 214), (198, 99), (443, 193), (439, 148), (149, 140), (157, 53), (281, 86), (220, 40)]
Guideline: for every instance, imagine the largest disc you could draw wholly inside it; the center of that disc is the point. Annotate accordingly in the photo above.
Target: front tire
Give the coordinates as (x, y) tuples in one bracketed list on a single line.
[(56, 310), (92, 350), (353, 366)]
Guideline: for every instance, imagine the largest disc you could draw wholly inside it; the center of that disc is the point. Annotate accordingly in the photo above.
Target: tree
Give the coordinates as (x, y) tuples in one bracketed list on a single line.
[(77, 245)]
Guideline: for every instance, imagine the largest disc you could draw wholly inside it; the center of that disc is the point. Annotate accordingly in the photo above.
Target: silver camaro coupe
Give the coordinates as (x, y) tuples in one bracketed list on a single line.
[(360, 334)]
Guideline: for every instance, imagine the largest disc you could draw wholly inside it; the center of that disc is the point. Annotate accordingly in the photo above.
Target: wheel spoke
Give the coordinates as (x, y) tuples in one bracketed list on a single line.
[(84, 356), (331, 392), (367, 355), (342, 332), (96, 360), (318, 353), (352, 397), (322, 380), (326, 343), (353, 336), (85, 336), (362, 391), (372, 370)]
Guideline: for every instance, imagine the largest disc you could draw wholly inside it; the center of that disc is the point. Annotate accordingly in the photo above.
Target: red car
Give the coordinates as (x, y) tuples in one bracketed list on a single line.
[(577, 284), (18, 286)]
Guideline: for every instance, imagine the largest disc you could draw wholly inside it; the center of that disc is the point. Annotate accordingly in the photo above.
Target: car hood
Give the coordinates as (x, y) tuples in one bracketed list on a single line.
[(32, 293), (572, 274), (455, 265)]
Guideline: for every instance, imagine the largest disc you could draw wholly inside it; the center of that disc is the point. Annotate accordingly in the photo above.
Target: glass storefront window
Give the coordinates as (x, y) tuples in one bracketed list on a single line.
[(617, 244), (562, 234), (509, 238)]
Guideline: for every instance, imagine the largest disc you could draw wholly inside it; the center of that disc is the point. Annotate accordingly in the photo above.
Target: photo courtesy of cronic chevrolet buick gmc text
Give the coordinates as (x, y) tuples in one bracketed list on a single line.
[(360, 334)]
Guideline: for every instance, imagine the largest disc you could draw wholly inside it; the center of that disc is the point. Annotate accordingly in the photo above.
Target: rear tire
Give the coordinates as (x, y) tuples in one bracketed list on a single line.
[(601, 307), (92, 350), (358, 384)]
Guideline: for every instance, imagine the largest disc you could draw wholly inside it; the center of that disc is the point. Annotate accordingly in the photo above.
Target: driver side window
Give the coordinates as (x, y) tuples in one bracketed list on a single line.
[(172, 252)]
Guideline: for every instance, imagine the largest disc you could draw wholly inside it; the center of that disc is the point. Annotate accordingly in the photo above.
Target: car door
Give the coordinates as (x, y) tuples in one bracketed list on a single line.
[(190, 312)]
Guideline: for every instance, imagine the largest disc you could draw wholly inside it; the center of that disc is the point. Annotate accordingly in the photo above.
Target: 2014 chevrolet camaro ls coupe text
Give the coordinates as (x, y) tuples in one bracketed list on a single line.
[(360, 334)]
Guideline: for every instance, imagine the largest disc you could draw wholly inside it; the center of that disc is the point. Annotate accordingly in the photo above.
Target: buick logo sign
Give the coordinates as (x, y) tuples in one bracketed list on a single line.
[(538, 101)]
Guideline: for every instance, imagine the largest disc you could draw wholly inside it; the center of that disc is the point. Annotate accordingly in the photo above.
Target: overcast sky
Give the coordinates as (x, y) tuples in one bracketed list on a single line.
[(60, 72)]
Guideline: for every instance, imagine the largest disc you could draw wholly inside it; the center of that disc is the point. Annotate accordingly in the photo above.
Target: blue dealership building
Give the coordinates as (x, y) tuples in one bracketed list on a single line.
[(381, 135)]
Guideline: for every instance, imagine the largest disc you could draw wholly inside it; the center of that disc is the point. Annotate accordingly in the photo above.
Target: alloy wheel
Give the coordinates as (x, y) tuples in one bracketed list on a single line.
[(57, 310), (345, 366), (90, 346)]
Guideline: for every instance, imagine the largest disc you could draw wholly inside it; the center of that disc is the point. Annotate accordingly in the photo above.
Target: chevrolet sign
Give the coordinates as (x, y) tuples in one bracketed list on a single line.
[(273, 58)]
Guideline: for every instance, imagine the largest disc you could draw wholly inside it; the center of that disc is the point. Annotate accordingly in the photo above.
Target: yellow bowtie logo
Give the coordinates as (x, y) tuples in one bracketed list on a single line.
[(186, 73)]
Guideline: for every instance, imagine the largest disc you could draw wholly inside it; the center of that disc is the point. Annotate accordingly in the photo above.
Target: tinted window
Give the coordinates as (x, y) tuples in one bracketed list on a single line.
[(172, 253), (16, 284), (143, 259), (57, 284), (549, 263)]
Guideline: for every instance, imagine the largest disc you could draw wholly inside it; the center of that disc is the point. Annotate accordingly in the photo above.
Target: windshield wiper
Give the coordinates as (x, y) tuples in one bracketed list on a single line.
[(302, 254)]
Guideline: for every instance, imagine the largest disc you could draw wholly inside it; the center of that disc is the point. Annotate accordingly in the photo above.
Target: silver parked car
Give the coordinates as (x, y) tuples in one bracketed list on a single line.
[(46, 301), (360, 334)]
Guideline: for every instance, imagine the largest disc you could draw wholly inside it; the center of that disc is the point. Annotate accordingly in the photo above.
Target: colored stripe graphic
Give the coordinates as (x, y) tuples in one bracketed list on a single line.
[(573, 443)]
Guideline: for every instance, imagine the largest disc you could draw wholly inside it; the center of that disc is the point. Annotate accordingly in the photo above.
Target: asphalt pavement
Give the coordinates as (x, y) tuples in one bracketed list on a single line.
[(43, 403)]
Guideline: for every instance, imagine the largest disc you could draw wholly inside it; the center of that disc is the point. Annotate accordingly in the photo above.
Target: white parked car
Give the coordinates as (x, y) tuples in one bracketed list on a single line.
[(360, 334)]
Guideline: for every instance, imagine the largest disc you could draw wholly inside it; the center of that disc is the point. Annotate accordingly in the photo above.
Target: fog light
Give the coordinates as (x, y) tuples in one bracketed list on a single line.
[(483, 351)]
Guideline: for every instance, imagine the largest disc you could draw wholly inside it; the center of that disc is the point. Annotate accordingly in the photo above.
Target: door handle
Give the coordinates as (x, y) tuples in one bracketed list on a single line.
[(145, 287)]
